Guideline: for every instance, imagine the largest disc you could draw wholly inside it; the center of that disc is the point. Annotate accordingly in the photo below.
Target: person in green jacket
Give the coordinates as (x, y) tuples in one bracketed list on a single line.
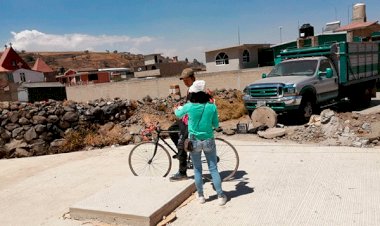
[(203, 118)]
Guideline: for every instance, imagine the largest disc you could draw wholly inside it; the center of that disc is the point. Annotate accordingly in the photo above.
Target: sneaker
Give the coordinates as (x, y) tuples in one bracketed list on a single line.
[(222, 199), (201, 199), (178, 176)]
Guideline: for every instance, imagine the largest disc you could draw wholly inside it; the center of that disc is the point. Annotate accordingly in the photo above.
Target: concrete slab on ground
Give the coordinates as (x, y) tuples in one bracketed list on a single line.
[(136, 201)]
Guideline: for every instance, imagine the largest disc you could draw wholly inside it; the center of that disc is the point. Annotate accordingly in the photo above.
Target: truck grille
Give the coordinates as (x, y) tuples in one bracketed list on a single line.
[(265, 92)]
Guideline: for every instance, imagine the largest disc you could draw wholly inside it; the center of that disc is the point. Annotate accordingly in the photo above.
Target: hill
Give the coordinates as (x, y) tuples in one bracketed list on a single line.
[(85, 59)]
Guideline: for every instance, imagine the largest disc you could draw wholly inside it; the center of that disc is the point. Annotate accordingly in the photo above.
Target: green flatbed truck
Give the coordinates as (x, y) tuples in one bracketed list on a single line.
[(306, 79)]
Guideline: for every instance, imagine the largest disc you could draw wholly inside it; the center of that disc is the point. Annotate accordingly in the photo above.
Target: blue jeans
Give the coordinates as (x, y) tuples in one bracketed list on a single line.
[(209, 148)]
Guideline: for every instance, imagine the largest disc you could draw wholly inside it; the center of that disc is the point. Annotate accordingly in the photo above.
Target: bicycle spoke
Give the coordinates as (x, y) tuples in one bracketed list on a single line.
[(143, 161), (228, 160)]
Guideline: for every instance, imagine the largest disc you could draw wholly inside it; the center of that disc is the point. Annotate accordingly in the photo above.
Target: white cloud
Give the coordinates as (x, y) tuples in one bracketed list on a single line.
[(33, 40)]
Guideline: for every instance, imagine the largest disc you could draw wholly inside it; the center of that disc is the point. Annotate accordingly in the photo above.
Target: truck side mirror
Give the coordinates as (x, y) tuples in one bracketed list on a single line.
[(329, 73), (263, 75)]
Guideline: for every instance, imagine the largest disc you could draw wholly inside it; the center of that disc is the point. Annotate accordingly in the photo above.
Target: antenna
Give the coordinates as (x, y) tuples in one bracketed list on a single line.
[(239, 35), (335, 14)]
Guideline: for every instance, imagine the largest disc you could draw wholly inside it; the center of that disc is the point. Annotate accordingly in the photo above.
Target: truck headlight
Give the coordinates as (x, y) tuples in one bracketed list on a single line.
[(289, 91), (246, 90)]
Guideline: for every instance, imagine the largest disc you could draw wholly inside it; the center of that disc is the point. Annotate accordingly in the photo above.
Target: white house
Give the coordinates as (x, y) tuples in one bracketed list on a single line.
[(24, 75), (234, 58)]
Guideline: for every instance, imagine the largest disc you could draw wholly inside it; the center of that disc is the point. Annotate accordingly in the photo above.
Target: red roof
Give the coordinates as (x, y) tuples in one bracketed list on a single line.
[(356, 26), (11, 61), (41, 66)]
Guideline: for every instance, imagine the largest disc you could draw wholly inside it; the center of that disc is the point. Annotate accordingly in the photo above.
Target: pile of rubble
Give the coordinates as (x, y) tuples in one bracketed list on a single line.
[(344, 129)]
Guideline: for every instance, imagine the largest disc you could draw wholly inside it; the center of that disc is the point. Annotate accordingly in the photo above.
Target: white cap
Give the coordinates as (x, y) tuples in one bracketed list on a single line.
[(197, 86)]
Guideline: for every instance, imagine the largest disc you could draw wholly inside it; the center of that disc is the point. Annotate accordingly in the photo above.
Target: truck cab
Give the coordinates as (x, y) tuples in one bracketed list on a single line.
[(294, 84)]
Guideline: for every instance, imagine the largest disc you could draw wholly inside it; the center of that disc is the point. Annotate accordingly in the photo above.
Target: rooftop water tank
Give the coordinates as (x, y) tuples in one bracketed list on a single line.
[(306, 30), (358, 13)]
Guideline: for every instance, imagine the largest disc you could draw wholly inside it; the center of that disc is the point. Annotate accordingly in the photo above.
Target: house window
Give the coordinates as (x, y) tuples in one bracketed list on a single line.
[(22, 77), (245, 56), (221, 59)]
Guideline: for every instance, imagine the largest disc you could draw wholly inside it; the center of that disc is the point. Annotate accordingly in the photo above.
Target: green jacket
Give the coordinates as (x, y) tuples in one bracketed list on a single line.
[(203, 118)]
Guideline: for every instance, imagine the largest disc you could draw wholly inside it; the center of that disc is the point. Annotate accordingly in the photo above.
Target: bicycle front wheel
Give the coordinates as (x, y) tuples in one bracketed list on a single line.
[(145, 161), (228, 160)]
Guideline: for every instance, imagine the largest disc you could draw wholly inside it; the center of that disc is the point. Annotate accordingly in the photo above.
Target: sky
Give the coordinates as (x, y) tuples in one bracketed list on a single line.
[(171, 27)]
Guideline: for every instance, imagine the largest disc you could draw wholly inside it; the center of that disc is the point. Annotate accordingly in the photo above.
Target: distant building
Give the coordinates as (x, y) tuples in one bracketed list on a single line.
[(24, 75), (49, 73), (19, 83), (41, 91), (83, 77), (360, 29), (234, 58), (156, 65), (117, 74)]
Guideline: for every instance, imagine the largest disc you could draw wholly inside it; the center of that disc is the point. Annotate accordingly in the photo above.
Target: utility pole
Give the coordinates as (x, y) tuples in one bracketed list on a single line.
[(239, 35), (280, 33)]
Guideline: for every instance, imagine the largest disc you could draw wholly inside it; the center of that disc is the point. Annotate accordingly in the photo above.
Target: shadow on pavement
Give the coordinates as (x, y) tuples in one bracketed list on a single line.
[(241, 188)]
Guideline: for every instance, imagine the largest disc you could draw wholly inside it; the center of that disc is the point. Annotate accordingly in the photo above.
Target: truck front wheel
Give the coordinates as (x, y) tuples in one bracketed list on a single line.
[(307, 108)]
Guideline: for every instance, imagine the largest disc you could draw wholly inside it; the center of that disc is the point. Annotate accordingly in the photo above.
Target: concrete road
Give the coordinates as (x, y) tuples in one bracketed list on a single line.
[(277, 184)]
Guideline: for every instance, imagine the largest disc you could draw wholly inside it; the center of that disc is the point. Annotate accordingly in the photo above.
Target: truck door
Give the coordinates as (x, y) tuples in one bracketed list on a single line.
[(327, 88)]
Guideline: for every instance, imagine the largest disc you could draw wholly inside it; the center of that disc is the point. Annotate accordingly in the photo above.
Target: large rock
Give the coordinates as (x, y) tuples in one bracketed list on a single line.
[(52, 119), (57, 146), (40, 128), (272, 133), (264, 116), (23, 121), (4, 105), (11, 126), (326, 116), (15, 144), (21, 152), (70, 117), (38, 119), (375, 132), (39, 147), (5, 134), (330, 127), (14, 117), (17, 131), (30, 134)]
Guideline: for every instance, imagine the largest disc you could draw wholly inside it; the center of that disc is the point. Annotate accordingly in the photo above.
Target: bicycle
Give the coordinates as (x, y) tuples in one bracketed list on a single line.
[(151, 158)]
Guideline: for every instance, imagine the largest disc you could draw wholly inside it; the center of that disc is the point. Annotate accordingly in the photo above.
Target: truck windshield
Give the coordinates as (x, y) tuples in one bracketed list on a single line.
[(300, 67)]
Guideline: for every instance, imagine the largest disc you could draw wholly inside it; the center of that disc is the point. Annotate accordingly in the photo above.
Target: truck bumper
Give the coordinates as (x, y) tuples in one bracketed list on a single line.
[(277, 104)]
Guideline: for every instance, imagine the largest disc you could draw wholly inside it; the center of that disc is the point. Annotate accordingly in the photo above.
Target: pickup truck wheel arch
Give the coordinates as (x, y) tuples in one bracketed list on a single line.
[(308, 105)]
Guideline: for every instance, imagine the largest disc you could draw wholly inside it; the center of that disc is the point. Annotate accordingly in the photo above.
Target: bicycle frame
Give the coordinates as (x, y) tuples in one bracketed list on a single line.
[(156, 141)]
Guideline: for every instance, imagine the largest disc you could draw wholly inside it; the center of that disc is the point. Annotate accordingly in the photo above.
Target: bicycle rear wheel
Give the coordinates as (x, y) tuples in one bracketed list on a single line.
[(228, 160), (143, 161)]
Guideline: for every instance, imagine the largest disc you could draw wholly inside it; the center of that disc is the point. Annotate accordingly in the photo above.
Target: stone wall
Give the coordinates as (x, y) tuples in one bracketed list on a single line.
[(39, 128)]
